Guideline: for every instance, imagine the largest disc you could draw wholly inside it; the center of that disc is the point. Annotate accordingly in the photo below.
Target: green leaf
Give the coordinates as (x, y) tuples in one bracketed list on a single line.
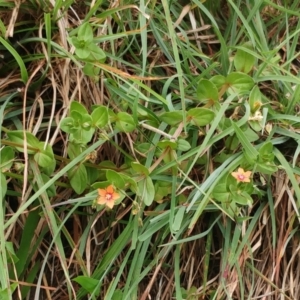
[(82, 53), (140, 169), (100, 185), (18, 58), (74, 150), (77, 43), (96, 53), (247, 187), (256, 125), (266, 152), (183, 145), (44, 158), (232, 142), (86, 122), (100, 116), (242, 198), (25, 247), (255, 99), (68, 125), (200, 116), (244, 61), (266, 168), (117, 295), (207, 91), (91, 70), (146, 190), (162, 189), (172, 118), (251, 135), (17, 137), (76, 106), (82, 136), (49, 169), (164, 144), (144, 147), (115, 179), (51, 190), (77, 117), (220, 193), (88, 283), (239, 83), (219, 81), (125, 122), (192, 293), (221, 157), (3, 187), (107, 164), (78, 178), (85, 33), (249, 150), (178, 218), (6, 158), (92, 174), (129, 182)]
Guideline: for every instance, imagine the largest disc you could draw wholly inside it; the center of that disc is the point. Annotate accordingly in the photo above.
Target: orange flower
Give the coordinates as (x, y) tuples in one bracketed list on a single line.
[(241, 175), (107, 196)]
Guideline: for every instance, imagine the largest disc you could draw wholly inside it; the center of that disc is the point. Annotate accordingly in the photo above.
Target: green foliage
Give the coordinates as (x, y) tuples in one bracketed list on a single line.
[(87, 49), (125, 122), (243, 60), (137, 140), (88, 283), (207, 91)]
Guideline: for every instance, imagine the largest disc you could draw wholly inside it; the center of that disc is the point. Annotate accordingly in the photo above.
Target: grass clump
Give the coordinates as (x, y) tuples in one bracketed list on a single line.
[(149, 150)]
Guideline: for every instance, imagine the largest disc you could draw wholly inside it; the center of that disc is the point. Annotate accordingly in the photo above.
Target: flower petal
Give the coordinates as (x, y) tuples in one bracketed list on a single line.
[(110, 204), (110, 189), (235, 175), (101, 200), (115, 196), (101, 192), (241, 171), (247, 174)]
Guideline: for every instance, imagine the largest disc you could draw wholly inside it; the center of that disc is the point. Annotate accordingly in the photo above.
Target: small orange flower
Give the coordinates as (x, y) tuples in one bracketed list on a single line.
[(241, 175), (107, 196)]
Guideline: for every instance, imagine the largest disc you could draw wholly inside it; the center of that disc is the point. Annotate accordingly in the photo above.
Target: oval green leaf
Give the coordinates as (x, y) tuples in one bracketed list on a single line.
[(125, 122), (200, 116), (87, 283), (172, 117), (243, 60), (17, 137), (255, 99), (76, 106), (207, 91), (44, 157), (167, 144), (100, 116), (115, 179), (85, 33), (140, 169), (6, 158), (146, 190), (78, 178), (67, 125), (239, 83), (183, 145)]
